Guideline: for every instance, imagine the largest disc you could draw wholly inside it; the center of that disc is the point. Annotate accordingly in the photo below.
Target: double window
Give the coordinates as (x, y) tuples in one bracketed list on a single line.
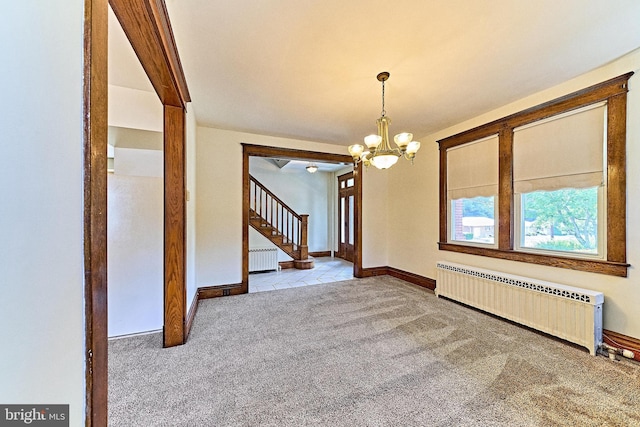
[(546, 185)]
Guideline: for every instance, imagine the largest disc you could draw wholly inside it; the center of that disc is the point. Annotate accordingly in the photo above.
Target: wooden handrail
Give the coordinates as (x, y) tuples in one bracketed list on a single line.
[(291, 225), (266, 190)]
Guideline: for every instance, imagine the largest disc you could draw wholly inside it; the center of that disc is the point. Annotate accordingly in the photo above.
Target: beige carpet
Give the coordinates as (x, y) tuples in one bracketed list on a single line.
[(372, 352)]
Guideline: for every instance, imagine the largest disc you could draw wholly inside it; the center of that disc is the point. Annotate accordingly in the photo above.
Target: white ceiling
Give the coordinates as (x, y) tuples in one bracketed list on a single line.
[(307, 69), (300, 165)]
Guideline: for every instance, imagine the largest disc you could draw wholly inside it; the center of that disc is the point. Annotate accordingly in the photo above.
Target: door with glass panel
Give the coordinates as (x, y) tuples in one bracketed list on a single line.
[(346, 211)]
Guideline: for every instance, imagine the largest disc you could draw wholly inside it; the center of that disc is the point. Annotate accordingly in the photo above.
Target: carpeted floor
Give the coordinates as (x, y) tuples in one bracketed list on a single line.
[(371, 352)]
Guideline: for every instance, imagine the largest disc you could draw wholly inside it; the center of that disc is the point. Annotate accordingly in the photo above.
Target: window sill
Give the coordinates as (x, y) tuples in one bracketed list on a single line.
[(580, 264)]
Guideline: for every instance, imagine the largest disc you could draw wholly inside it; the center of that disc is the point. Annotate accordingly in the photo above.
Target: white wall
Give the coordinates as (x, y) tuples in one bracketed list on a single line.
[(135, 242), (219, 202), (135, 109), (191, 204), (135, 116), (41, 213), (376, 202), (414, 208), (137, 162), (303, 192)]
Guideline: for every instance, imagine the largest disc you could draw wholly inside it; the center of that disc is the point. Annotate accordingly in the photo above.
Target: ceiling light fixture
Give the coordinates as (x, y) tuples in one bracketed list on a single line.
[(312, 168), (379, 152)]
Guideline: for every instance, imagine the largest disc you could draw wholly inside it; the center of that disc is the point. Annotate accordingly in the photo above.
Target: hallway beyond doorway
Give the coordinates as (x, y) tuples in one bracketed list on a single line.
[(327, 270)]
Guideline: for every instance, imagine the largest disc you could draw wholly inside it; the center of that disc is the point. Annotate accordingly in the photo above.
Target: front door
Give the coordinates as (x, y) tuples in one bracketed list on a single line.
[(346, 201)]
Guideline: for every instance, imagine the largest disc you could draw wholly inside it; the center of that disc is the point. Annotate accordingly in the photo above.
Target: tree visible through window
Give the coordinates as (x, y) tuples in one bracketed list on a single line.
[(561, 220)]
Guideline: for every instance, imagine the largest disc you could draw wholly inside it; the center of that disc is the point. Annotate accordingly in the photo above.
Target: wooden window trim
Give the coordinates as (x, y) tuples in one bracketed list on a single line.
[(614, 92)]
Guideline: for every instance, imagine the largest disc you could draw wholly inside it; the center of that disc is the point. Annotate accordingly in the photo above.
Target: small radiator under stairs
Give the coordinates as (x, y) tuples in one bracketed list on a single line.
[(572, 314), (263, 259)]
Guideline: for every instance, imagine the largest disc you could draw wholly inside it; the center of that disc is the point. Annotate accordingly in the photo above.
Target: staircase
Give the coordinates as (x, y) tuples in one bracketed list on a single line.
[(276, 221)]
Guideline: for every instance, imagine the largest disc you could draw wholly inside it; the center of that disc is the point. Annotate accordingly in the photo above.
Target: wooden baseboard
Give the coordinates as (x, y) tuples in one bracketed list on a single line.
[(220, 291), (416, 279), (320, 254), (373, 271), (191, 314), (207, 292), (622, 341)]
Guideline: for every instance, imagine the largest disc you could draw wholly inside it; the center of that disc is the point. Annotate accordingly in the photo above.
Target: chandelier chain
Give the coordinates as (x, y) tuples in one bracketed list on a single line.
[(383, 113)]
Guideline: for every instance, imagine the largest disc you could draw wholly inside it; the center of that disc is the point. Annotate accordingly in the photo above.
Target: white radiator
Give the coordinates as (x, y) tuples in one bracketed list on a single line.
[(263, 259), (569, 313)]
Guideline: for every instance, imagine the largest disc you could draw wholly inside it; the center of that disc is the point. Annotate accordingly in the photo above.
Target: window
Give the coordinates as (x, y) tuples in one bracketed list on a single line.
[(472, 175), (558, 171), (473, 220), (546, 185), (562, 221)]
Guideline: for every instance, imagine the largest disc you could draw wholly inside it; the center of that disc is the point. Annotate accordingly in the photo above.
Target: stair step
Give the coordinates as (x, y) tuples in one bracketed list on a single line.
[(272, 233)]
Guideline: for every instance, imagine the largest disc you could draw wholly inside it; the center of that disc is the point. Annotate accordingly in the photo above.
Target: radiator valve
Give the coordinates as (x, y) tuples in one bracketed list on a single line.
[(614, 350)]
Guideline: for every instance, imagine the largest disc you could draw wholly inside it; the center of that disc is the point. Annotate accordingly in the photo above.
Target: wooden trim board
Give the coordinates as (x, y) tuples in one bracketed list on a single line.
[(147, 26), (416, 279), (174, 227), (94, 113), (191, 314)]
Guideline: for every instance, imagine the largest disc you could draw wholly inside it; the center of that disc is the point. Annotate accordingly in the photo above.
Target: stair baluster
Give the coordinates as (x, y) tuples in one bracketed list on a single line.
[(278, 222)]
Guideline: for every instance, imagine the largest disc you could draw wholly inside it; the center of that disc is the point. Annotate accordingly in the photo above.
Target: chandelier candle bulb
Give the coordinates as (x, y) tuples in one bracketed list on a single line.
[(356, 151), (413, 147), (372, 141), (379, 153), (403, 139)]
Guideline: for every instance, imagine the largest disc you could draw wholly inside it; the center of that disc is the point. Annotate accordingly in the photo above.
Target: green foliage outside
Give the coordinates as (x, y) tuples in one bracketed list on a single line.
[(567, 212), (560, 245), (478, 206)]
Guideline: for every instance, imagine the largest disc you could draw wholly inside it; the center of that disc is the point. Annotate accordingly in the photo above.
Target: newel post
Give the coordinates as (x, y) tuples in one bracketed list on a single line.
[(304, 249)]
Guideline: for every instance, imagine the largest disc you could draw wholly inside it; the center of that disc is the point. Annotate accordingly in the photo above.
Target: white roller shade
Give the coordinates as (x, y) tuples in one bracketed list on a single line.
[(472, 169), (562, 152)]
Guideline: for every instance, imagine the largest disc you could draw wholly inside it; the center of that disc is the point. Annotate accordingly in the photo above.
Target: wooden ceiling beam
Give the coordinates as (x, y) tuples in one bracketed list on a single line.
[(147, 26)]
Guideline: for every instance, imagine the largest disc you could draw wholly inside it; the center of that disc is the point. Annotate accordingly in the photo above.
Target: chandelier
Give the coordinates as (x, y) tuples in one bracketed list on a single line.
[(378, 152)]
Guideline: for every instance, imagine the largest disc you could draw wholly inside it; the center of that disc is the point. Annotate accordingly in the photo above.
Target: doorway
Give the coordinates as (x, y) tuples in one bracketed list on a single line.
[(346, 216), (250, 150), (148, 29)]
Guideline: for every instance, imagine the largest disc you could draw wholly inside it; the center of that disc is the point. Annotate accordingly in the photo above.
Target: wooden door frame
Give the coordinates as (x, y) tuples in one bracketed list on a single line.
[(353, 188), (146, 24), (249, 150)]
